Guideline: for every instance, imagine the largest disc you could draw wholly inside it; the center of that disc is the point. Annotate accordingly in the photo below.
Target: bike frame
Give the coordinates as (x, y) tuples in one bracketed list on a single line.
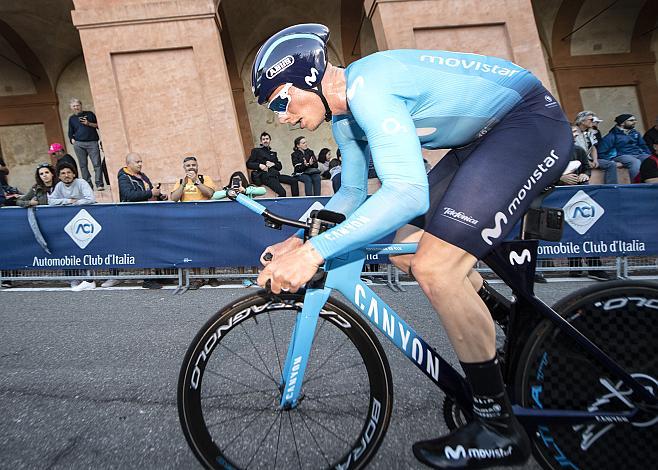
[(513, 261)]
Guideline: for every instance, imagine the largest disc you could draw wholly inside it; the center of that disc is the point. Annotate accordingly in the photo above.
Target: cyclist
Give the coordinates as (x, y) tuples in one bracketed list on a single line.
[(510, 140)]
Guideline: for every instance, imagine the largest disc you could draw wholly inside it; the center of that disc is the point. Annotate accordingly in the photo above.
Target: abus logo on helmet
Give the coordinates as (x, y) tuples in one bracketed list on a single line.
[(280, 66)]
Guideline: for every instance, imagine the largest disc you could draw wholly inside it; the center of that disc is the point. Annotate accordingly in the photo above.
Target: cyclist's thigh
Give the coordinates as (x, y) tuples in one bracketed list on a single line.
[(494, 186), (439, 179)]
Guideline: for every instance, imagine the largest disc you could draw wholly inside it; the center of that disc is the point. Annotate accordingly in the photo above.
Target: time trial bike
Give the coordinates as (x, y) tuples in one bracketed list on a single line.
[(302, 381)]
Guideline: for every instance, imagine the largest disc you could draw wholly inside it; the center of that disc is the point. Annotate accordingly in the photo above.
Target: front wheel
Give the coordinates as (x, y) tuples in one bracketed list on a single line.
[(554, 372), (229, 389)]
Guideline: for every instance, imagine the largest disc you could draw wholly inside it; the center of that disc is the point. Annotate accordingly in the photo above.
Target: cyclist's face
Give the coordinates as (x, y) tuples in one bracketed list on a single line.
[(305, 108)]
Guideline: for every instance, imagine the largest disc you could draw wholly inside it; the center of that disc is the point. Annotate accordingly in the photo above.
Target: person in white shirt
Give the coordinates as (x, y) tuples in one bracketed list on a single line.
[(71, 190)]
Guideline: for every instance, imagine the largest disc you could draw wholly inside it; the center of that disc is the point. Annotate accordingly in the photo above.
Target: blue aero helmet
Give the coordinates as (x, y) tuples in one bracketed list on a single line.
[(296, 55)]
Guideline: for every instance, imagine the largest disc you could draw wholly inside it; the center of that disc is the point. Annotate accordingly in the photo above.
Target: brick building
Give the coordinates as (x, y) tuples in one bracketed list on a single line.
[(167, 77)]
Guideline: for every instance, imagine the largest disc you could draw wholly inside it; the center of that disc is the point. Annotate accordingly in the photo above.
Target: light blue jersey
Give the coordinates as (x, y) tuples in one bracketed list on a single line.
[(401, 101)]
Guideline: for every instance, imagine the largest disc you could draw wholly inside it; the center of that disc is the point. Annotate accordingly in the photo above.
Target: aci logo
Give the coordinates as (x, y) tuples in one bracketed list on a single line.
[(582, 212), (83, 228)]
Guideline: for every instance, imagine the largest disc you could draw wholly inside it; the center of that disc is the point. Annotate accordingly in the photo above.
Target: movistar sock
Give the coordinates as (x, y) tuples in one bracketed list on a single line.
[(489, 398)]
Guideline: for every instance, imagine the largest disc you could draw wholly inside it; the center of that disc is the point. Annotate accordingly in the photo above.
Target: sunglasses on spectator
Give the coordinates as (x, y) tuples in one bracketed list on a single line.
[(43, 165), (279, 104)]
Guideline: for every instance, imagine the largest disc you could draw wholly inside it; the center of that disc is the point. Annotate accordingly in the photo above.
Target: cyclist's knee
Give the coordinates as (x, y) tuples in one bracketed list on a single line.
[(440, 266)]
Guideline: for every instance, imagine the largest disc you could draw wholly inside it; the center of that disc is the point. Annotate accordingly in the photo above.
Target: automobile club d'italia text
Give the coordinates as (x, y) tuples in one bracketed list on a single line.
[(125, 259)]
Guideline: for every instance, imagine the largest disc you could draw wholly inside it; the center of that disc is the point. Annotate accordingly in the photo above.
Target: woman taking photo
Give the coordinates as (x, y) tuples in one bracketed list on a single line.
[(306, 167), (45, 183)]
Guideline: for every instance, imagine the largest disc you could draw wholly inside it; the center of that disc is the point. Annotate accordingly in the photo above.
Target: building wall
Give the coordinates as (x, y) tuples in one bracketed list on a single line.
[(161, 87), (23, 149)]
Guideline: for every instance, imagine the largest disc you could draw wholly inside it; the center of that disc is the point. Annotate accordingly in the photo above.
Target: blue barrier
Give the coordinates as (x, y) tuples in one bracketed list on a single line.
[(601, 221)]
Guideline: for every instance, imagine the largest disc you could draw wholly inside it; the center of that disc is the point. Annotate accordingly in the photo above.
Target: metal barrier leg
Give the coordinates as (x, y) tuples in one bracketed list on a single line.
[(184, 274), (396, 278)]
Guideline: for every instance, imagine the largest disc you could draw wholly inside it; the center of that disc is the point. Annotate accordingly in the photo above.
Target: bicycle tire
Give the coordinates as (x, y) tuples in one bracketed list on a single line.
[(229, 393), (621, 318)]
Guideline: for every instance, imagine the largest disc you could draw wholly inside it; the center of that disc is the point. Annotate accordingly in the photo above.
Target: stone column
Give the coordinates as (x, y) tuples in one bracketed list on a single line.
[(502, 28), (160, 86)]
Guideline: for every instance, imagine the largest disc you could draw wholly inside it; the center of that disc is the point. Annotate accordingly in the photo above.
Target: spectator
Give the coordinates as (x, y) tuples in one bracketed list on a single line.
[(585, 138), (649, 167), (72, 190), (306, 167), (335, 169), (581, 176), (193, 187), (624, 144), (595, 128), (8, 194), (57, 150), (45, 184), (324, 157), (135, 186), (651, 136), (4, 171), (84, 137), (265, 167)]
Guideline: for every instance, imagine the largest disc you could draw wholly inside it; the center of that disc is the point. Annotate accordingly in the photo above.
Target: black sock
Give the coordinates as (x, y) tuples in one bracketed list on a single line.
[(498, 305), (490, 401)]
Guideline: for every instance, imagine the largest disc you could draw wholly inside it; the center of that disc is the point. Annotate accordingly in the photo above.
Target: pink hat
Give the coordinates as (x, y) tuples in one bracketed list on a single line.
[(55, 148)]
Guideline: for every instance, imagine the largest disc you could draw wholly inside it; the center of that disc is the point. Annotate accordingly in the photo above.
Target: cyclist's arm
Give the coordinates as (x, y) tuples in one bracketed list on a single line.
[(354, 173), (398, 160)]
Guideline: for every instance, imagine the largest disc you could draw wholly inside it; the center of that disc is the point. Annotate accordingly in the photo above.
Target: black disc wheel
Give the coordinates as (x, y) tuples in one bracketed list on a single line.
[(554, 372), (229, 389)]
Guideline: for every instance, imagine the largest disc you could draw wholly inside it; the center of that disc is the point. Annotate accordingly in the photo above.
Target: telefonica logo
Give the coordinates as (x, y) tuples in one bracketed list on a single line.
[(582, 212), (83, 228)]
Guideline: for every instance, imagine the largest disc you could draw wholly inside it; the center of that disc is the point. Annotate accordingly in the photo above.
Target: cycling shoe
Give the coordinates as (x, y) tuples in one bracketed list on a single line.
[(479, 444)]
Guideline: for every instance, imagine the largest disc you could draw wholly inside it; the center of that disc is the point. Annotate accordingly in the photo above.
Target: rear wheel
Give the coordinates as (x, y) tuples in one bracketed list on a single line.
[(554, 373), (229, 389)]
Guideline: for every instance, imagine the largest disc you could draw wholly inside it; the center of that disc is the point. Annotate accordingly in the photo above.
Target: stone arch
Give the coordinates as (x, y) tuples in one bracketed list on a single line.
[(36, 108), (632, 71)]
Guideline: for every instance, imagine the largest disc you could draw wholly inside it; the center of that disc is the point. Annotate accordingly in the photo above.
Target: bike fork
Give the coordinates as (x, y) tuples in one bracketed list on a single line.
[(299, 348)]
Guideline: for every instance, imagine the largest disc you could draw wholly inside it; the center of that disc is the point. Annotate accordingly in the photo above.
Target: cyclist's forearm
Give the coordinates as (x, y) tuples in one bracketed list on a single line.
[(347, 199), (388, 209)]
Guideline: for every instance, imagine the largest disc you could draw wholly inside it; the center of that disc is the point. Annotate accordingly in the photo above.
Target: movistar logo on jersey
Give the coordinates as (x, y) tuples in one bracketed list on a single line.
[(280, 66), (468, 64)]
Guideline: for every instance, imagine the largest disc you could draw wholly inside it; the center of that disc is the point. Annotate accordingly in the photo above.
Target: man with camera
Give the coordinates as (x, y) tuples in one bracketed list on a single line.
[(84, 137), (265, 167), (134, 185), (193, 186)]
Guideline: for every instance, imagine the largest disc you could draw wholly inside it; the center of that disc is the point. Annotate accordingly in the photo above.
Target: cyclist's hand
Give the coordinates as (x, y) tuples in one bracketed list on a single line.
[(291, 270), (285, 246)]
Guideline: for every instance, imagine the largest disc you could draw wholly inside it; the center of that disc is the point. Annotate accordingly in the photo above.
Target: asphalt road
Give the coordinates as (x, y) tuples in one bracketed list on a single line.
[(88, 380)]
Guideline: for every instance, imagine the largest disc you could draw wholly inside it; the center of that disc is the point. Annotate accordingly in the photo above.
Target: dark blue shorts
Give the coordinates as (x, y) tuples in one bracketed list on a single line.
[(479, 192)]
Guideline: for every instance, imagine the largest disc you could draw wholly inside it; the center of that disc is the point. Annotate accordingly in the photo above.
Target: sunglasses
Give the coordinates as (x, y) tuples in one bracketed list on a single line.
[(43, 165), (279, 104)]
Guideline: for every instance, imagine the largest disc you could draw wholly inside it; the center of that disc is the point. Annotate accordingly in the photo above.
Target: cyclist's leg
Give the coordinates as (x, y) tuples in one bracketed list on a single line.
[(439, 180), (524, 153)]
